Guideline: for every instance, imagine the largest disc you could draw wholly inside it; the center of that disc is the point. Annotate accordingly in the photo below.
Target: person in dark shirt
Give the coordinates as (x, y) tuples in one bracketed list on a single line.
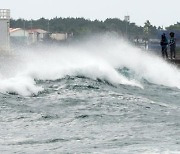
[(172, 44), (164, 45)]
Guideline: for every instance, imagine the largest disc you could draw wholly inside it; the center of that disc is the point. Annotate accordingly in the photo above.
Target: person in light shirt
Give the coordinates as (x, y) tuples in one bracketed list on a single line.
[(172, 44)]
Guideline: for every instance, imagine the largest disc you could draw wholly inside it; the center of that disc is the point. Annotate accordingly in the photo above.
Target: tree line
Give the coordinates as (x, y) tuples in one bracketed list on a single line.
[(81, 26)]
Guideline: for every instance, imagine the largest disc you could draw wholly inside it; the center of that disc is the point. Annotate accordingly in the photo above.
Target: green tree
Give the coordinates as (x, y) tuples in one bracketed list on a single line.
[(81, 26), (174, 27)]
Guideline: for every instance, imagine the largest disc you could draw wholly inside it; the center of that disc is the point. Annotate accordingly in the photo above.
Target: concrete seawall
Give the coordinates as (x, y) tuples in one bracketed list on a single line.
[(175, 61)]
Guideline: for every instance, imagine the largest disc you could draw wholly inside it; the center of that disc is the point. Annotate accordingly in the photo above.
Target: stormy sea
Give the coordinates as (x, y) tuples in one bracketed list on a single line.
[(100, 95)]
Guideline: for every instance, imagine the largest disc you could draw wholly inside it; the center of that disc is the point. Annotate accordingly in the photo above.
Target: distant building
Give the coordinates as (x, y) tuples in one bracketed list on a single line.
[(18, 36), (154, 44), (59, 36), (4, 29), (36, 35)]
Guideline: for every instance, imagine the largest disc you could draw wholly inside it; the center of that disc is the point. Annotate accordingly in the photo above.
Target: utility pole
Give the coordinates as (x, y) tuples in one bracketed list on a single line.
[(127, 20), (32, 37), (48, 26), (31, 25), (24, 26)]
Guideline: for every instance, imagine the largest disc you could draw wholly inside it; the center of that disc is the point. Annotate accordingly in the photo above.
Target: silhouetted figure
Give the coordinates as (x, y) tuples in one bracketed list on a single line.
[(172, 44), (164, 43)]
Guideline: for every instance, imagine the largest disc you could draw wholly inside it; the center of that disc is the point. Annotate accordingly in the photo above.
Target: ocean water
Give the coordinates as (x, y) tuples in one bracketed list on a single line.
[(101, 95)]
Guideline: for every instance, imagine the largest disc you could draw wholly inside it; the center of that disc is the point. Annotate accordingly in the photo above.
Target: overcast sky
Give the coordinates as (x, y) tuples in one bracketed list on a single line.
[(159, 12)]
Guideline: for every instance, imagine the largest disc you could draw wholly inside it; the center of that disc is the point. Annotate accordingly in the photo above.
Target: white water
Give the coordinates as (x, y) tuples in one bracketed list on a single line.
[(97, 58)]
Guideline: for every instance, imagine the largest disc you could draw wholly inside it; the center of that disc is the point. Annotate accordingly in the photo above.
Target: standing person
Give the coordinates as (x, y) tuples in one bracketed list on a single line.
[(172, 44), (164, 43)]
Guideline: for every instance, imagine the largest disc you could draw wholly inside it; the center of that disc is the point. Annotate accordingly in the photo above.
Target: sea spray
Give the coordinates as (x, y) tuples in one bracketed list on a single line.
[(99, 57), (145, 64)]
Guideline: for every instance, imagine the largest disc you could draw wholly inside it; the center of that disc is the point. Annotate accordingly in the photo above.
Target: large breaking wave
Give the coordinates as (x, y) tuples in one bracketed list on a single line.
[(99, 57)]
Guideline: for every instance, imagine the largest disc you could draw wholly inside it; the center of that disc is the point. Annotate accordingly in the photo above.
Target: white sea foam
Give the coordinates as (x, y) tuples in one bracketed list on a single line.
[(97, 58)]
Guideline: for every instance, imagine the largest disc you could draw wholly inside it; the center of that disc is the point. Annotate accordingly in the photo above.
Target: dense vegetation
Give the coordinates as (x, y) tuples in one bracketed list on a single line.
[(81, 26), (175, 27)]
